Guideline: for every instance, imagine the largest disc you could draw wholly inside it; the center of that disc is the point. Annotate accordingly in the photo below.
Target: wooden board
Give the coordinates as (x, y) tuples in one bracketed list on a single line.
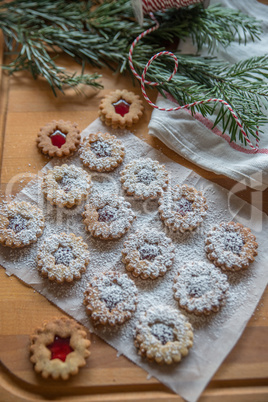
[(25, 105)]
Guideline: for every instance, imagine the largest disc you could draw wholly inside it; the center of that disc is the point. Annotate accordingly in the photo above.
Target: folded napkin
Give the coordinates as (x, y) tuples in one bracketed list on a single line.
[(193, 136)]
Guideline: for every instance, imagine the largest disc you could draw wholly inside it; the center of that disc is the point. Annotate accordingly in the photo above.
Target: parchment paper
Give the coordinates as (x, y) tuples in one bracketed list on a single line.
[(214, 336)]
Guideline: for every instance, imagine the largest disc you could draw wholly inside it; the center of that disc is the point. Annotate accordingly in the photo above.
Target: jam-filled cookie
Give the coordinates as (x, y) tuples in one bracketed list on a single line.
[(21, 223), (163, 335), (121, 109), (111, 299), (107, 216), (144, 178), (66, 185), (148, 254), (200, 288), (102, 152), (231, 246), (63, 257), (182, 208), (59, 348), (58, 138)]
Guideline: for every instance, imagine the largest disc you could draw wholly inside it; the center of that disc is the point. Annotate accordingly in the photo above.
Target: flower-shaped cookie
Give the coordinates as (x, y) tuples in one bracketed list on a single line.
[(111, 298), (148, 254), (59, 348), (107, 216), (182, 208), (144, 178), (63, 257), (21, 223), (231, 246), (102, 152), (66, 185), (121, 108), (200, 287), (163, 335), (58, 138)]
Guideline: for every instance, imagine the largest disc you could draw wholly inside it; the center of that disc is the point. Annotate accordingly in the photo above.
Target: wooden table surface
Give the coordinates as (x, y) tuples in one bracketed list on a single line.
[(26, 105)]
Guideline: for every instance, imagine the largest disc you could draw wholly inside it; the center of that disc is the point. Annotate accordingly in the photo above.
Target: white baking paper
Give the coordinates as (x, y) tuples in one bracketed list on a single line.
[(214, 336)]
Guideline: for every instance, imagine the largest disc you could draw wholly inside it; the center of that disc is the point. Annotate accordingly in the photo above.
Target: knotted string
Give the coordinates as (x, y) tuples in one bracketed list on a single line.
[(149, 5)]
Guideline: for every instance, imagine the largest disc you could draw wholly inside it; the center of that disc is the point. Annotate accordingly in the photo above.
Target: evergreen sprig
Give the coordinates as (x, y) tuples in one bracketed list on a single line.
[(102, 35)]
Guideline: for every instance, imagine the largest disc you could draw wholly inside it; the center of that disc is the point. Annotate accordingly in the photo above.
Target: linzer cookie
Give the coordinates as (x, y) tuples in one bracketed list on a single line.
[(58, 138), (102, 152), (200, 288), (231, 246), (63, 257), (21, 223), (107, 216), (144, 178), (111, 299), (163, 335), (121, 109), (59, 348), (148, 254), (182, 208), (66, 185)]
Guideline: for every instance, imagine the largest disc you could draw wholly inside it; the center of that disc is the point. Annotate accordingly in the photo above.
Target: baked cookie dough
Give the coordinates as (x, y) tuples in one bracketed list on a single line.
[(121, 109), (182, 208), (21, 223), (63, 257), (148, 254), (107, 216), (59, 348), (200, 288), (144, 178), (66, 185), (163, 335), (58, 138), (102, 152), (231, 246), (111, 299)]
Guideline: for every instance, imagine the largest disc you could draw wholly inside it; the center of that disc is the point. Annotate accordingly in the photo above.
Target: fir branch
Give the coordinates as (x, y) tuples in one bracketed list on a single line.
[(102, 36)]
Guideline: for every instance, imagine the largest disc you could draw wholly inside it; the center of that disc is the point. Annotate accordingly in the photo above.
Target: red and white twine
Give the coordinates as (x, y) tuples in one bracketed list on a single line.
[(148, 6)]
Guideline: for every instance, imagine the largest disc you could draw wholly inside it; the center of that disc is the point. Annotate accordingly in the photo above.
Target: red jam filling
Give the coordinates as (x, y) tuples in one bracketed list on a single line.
[(107, 214), (121, 107), (58, 138), (60, 348), (182, 206)]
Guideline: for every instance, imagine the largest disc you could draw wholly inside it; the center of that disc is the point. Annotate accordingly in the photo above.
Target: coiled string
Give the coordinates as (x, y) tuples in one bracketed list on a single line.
[(150, 5)]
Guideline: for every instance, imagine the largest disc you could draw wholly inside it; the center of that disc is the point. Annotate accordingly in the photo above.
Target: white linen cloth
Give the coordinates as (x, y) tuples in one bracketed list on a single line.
[(190, 136)]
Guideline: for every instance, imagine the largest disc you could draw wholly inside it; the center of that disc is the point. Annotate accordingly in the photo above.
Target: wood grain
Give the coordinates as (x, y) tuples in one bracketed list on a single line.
[(25, 105)]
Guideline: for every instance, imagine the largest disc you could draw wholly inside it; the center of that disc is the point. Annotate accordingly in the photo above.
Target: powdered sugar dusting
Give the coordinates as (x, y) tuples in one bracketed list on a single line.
[(210, 332), (111, 298), (144, 178), (200, 287), (21, 223), (231, 246), (148, 254)]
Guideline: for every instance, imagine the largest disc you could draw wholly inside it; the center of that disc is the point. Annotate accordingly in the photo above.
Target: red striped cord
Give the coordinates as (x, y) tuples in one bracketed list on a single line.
[(189, 105)]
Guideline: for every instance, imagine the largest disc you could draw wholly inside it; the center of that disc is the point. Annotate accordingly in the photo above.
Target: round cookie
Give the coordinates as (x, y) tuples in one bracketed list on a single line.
[(102, 152), (182, 208), (58, 138), (163, 335), (111, 299), (21, 223), (231, 246), (59, 348), (144, 178), (200, 288), (148, 254), (121, 109), (107, 216), (63, 257), (66, 185)]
